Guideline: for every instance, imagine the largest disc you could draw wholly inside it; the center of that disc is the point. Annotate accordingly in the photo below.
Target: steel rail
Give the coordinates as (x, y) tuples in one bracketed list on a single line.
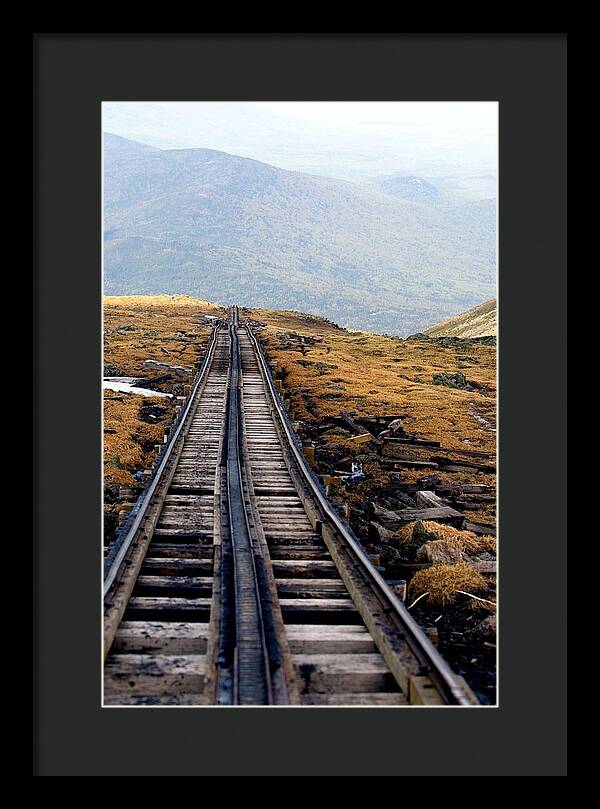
[(251, 680), (429, 658), (256, 655), (125, 543)]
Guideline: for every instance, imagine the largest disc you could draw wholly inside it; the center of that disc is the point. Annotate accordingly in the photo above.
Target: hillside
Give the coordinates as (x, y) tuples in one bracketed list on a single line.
[(364, 373), (477, 322), (442, 390), (414, 189), (321, 378), (232, 229)]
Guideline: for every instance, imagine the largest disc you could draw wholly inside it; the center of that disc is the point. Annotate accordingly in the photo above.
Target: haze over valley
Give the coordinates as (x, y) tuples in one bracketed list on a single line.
[(383, 250)]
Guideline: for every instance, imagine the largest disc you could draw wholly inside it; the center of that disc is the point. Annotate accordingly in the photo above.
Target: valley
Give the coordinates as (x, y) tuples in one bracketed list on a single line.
[(211, 224)]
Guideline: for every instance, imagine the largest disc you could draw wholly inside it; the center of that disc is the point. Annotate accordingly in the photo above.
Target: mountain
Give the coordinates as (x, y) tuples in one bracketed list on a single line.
[(477, 322), (116, 147), (414, 189), (233, 229), (438, 190)]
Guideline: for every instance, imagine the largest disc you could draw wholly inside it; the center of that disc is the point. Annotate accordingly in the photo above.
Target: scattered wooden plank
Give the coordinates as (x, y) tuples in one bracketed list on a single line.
[(430, 482), (406, 464), (485, 566), (427, 499), (362, 438), (470, 453), (480, 528), (387, 516), (455, 467), (449, 465), (440, 514), (356, 428), (416, 442)]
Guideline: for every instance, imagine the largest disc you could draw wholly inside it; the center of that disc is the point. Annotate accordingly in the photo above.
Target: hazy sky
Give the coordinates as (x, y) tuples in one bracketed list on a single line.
[(471, 120), (353, 140)]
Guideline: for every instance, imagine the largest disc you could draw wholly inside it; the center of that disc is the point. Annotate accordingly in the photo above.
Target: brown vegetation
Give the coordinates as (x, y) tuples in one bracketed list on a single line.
[(424, 531), (167, 328), (443, 390), (128, 441), (442, 583), (369, 373), (477, 322)]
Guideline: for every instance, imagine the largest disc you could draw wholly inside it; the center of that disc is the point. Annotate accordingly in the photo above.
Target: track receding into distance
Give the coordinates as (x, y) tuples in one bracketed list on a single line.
[(235, 582)]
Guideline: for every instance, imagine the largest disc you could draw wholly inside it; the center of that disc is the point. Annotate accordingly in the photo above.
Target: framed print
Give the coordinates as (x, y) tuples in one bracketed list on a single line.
[(283, 500)]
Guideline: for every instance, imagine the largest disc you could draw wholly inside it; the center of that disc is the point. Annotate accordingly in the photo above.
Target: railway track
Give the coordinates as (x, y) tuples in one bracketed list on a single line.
[(236, 583)]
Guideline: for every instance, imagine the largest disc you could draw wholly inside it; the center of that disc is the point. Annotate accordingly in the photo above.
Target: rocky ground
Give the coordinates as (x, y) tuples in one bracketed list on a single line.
[(387, 423), (167, 332)]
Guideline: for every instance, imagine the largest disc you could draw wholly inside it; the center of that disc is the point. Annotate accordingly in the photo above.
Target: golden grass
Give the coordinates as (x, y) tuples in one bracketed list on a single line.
[(487, 544), (442, 583), (167, 328), (452, 539), (477, 322), (372, 373), (377, 374), (467, 541), (124, 449)]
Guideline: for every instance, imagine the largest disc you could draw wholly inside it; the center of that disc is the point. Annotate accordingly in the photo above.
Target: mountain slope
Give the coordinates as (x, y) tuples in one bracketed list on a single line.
[(232, 229), (409, 187), (477, 322)]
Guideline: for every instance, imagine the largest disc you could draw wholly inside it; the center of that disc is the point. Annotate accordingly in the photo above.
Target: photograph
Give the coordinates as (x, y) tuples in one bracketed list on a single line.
[(299, 390)]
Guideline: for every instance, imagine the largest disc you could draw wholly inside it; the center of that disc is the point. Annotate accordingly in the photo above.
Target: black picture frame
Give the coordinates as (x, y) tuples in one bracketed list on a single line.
[(72, 74)]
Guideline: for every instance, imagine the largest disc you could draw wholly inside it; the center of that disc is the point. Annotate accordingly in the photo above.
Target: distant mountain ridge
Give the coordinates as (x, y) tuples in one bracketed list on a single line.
[(477, 322), (409, 187), (233, 229)]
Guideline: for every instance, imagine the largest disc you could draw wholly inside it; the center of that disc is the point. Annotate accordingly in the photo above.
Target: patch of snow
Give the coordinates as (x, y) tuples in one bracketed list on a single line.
[(129, 380), (126, 387), (487, 425)]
